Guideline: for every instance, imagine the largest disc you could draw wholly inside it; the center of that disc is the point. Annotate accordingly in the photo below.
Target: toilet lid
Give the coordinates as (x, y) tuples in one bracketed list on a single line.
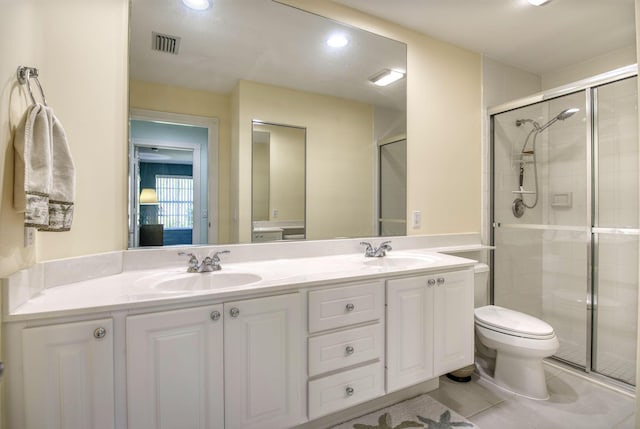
[(509, 321)]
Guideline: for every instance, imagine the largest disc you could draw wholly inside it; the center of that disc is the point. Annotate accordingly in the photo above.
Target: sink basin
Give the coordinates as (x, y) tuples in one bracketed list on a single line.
[(400, 261), (205, 281)]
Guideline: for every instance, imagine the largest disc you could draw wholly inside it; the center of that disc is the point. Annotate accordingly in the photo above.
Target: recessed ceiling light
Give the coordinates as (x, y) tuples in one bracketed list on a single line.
[(386, 77), (337, 41), (537, 2), (197, 4)]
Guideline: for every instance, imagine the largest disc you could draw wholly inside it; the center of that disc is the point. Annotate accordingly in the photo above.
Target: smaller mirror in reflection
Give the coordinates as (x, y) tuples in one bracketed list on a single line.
[(278, 182)]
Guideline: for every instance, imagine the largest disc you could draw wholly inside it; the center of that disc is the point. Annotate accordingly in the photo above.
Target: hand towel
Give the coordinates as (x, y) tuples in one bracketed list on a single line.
[(45, 173), (32, 167), (63, 178)]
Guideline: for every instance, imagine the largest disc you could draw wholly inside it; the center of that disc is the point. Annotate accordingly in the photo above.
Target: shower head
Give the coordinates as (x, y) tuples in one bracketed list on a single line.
[(559, 117), (567, 113)]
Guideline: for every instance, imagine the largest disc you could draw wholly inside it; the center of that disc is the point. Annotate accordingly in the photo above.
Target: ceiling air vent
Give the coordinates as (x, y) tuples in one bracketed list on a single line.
[(165, 43)]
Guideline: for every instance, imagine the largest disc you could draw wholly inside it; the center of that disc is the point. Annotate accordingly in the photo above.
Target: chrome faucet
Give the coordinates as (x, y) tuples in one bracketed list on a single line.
[(209, 263), (376, 252)]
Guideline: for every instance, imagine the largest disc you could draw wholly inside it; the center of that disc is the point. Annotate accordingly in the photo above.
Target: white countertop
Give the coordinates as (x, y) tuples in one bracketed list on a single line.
[(140, 288)]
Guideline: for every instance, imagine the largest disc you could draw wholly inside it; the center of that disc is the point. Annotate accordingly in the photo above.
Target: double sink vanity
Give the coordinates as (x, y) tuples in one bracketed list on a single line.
[(285, 334)]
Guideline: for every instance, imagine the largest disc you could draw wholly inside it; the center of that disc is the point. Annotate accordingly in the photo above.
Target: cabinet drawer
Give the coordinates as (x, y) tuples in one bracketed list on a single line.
[(341, 349), (346, 305), (342, 390)]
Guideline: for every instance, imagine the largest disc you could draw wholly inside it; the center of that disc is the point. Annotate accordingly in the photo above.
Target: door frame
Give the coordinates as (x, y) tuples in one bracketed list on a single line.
[(207, 227)]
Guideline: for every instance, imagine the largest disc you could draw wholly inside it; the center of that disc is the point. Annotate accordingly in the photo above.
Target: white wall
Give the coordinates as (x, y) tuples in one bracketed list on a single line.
[(600, 64)]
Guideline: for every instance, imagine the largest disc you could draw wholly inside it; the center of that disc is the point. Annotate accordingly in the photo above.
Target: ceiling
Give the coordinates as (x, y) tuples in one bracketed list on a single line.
[(536, 39)]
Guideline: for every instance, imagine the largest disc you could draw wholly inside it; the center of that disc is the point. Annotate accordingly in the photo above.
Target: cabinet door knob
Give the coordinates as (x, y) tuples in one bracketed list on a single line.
[(215, 315), (234, 312), (431, 282), (349, 350), (349, 391), (440, 280), (99, 332), (350, 307)]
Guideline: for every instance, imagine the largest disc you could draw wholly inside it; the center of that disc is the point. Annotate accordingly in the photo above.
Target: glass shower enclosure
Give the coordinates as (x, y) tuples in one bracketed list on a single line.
[(565, 217)]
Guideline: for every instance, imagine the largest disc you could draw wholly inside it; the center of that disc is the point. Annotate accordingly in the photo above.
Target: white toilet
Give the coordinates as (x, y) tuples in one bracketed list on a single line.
[(510, 345)]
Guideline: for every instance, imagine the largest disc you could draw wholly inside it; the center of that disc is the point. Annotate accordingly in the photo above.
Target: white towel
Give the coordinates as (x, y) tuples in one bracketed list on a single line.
[(44, 185)]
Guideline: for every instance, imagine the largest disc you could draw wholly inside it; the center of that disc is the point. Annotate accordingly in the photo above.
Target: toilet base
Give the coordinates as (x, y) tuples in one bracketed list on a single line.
[(526, 378)]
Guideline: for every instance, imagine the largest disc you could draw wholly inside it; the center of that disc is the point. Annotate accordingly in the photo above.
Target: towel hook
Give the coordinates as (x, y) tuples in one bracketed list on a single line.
[(24, 75)]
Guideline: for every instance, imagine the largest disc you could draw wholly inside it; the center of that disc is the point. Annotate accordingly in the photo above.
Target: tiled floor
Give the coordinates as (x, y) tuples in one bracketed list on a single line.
[(574, 403)]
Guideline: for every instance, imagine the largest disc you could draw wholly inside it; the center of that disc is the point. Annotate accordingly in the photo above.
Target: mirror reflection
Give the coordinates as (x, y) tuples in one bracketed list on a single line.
[(278, 182), (257, 60)]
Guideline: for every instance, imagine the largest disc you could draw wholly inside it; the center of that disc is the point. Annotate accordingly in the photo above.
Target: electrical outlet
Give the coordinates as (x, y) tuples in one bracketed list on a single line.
[(29, 236), (416, 219), (275, 213)]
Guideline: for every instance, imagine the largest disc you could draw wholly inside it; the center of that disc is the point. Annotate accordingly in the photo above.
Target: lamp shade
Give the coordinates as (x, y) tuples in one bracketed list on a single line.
[(148, 196)]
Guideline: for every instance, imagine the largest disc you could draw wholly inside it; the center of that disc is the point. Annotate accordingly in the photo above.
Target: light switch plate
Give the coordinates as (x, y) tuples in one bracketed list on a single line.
[(416, 219)]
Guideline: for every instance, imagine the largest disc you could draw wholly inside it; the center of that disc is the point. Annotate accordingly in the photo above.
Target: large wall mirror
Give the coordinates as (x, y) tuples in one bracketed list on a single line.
[(245, 66)]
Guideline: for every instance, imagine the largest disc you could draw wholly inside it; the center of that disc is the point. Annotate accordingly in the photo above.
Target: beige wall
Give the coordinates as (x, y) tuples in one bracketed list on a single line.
[(165, 98), (88, 93), (340, 153), (637, 425), (443, 123), (594, 66), (89, 98)]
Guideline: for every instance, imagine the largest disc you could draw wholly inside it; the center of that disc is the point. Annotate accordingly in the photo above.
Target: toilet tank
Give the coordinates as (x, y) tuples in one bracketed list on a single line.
[(481, 285)]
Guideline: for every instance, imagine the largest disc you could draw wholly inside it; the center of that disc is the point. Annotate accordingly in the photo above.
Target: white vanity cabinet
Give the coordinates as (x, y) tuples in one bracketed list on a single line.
[(237, 365), (346, 349), (69, 375), (429, 326), (175, 369), (263, 352)]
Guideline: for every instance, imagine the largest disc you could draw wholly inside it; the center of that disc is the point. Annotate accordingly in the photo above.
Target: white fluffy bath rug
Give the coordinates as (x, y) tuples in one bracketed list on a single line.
[(419, 412)]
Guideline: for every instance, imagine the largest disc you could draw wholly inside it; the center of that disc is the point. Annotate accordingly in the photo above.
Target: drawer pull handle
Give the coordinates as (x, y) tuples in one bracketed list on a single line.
[(349, 350), (350, 307), (234, 312), (431, 282), (99, 333), (440, 280), (349, 390), (215, 315)]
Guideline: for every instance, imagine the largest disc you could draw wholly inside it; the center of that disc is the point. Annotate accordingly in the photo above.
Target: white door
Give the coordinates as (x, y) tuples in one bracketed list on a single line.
[(453, 314), (175, 369), (263, 350), (409, 332), (68, 376)]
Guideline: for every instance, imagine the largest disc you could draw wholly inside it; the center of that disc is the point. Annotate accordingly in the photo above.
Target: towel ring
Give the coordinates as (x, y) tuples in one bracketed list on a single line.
[(24, 75)]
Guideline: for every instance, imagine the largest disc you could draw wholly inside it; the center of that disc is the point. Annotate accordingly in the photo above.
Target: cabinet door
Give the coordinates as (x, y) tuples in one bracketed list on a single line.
[(263, 350), (453, 315), (174, 369), (409, 332), (68, 375)]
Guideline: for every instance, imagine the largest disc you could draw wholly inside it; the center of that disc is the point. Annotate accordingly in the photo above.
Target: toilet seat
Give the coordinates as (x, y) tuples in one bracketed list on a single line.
[(512, 323)]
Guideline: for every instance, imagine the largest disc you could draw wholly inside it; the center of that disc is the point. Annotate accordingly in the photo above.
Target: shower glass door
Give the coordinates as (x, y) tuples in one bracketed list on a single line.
[(565, 221), (615, 231), (542, 250)]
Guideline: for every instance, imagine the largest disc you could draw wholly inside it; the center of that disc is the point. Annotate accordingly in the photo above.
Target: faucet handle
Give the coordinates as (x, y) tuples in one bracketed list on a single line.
[(369, 251), (386, 245), (216, 257), (193, 262)]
